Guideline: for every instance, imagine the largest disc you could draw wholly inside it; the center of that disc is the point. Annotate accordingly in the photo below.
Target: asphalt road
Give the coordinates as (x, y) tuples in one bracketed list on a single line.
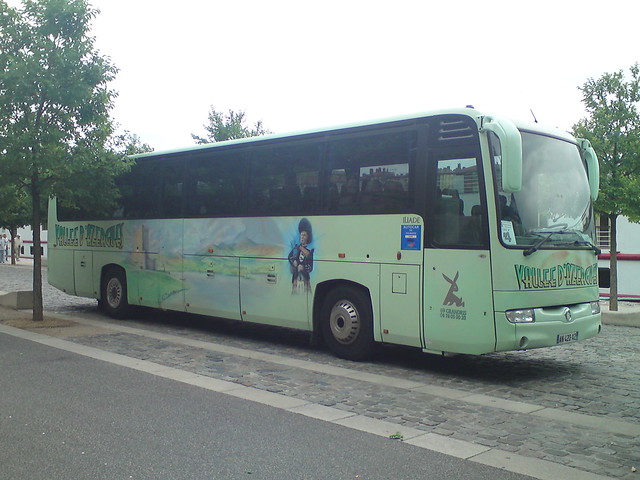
[(65, 416)]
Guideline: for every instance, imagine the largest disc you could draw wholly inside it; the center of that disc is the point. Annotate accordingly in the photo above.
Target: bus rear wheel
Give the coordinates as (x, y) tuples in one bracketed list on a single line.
[(347, 323), (114, 293)]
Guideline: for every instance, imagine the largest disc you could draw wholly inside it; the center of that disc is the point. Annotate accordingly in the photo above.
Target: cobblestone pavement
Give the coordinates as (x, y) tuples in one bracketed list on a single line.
[(591, 388)]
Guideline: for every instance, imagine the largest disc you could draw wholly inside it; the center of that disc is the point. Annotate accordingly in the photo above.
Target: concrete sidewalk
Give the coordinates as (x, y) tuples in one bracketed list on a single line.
[(628, 314), (26, 262)]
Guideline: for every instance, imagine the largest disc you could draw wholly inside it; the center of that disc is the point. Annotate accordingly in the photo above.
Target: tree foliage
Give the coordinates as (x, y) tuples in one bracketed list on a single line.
[(613, 128), (92, 190), (15, 207), (612, 125), (54, 109), (228, 126)]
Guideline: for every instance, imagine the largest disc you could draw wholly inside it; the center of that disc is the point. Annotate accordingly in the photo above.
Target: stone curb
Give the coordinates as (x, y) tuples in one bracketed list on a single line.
[(628, 318), (17, 300)]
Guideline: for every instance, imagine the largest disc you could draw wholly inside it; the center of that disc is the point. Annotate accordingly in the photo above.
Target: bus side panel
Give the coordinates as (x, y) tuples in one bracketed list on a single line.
[(458, 315), (400, 307), (60, 273), (269, 296), (211, 286), (155, 262)]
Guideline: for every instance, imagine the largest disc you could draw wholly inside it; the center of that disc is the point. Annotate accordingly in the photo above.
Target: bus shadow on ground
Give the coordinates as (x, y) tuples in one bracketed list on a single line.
[(501, 368)]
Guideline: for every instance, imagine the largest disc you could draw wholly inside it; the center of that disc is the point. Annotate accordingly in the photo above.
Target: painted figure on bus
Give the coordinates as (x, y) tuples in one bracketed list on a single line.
[(301, 259)]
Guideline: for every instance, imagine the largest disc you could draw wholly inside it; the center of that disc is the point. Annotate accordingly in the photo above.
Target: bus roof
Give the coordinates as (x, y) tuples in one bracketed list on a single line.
[(469, 111)]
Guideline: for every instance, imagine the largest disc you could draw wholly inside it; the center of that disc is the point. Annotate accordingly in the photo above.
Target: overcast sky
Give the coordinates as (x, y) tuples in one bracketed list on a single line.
[(299, 65)]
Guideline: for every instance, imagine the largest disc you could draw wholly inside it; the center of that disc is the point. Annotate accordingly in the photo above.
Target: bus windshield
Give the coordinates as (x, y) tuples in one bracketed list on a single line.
[(554, 205)]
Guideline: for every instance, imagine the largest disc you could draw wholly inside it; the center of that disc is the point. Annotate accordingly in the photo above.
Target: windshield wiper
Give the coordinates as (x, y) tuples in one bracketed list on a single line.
[(536, 246), (589, 244)]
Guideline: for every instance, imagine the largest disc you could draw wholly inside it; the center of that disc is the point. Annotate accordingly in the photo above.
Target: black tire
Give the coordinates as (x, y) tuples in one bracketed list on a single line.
[(114, 299), (347, 323)]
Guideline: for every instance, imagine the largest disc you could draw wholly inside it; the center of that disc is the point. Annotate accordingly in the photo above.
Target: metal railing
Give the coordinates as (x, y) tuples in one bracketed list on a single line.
[(603, 237)]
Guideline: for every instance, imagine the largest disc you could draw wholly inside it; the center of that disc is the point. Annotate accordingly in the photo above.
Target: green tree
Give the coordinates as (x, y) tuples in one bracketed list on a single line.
[(92, 189), (54, 109), (612, 125), (228, 126), (129, 144)]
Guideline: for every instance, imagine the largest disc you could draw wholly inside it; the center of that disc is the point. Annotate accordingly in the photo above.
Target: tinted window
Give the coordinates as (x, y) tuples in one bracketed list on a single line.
[(459, 215), (152, 190), (217, 185), (285, 180), (370, 174)]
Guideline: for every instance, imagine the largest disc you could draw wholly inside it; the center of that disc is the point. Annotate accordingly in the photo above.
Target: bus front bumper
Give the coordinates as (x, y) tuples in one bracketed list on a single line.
[(551, 326)]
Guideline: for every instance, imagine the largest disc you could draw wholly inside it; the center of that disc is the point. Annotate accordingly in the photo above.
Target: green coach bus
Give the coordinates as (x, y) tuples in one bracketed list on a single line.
[(451, 231)]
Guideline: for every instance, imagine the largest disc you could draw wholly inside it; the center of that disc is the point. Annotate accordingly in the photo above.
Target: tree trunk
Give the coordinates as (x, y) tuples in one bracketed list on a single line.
[(613, 264), (38, 315), (13, 231)]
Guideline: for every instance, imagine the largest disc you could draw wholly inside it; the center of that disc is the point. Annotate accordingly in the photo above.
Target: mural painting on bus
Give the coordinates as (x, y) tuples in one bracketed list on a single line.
[(165, 264), (157, 271), (301, 258)]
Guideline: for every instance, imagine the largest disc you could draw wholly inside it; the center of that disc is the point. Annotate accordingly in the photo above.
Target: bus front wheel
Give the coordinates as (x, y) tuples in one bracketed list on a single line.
[(114, 293), (347, 323)]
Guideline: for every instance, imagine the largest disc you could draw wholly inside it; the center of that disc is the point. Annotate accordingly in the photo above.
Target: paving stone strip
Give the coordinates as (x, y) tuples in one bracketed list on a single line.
[(603, 424)]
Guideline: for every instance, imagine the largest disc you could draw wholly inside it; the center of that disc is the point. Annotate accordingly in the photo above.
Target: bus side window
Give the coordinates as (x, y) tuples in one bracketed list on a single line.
[(284, 180), (457, 212), (370, 174), (217, 185), (171, 190), (146, 198)]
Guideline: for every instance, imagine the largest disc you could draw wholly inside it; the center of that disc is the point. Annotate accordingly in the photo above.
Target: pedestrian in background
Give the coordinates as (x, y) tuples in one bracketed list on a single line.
[(4, 248)]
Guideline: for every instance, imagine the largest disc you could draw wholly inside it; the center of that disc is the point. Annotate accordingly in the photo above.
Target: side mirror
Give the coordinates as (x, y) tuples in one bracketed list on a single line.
[(593, 167), (511, 146)]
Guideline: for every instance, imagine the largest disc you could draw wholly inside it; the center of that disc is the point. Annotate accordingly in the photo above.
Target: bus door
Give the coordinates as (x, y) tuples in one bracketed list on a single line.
[(458, 302)]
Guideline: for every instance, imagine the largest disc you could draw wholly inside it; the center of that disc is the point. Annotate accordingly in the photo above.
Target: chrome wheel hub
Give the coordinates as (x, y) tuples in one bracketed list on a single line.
[(344, 322), (114, 293)]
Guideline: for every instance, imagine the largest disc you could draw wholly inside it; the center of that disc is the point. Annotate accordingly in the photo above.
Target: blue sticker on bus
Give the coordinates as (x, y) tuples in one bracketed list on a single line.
[(411, 235)]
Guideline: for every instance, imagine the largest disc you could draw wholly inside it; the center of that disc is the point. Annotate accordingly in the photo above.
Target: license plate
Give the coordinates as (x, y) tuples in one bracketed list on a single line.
[(567, 337)]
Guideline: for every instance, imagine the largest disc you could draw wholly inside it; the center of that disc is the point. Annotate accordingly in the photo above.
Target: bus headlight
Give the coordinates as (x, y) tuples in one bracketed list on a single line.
[(526, 315), (595, 307)]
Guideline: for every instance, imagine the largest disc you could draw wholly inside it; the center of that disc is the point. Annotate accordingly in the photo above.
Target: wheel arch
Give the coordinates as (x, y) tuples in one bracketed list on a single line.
[(321, 292), (103, 274)]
